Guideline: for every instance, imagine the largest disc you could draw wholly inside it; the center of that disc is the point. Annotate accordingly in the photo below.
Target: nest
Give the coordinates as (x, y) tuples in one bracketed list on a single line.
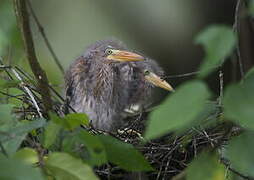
[(169, 155)]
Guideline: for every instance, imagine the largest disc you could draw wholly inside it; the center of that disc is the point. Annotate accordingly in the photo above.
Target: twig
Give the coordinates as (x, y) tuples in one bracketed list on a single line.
[(182, 75), (40, 75), (4, 67), (189, 74), (41, 30), (12, 96), (221, 88), (23, 86), (28, 92), (3, 149), (50, 87), (236, 26), (227, 164)]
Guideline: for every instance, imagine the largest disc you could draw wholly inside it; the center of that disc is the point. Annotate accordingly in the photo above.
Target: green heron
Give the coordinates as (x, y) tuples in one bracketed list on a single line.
[(108, 80)]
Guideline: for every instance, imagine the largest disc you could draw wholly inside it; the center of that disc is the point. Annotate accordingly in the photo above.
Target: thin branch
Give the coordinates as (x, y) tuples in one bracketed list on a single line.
[(50, 87), (40, 75), (28, 92), (182, 75), (227, 164), (3, 149), (221, 88), (41, 30), (12, 96), (236, 28), (190, 73)]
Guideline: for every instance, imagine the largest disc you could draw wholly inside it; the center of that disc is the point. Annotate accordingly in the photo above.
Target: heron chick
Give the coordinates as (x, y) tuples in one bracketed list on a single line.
[(108, 79)]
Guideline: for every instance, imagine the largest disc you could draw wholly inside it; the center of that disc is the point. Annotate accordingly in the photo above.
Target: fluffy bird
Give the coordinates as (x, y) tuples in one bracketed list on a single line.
[(109, 82)]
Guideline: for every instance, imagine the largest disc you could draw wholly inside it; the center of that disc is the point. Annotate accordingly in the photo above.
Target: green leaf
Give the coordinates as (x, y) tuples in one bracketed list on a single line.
[(22, 128), (219, 42), (70, 121), (179, 110), (76, 119), (124, 155), (249, 73), (12, 137), (5, 113), (240, 153), (211, 168), (13, 100), (12, 145), (58, 120), (65, 167), (27, 155), (85, 145), (15, 169), (51, 132), (251, 7), (8, 84), (239, 102), (95, 148), (71, 144)]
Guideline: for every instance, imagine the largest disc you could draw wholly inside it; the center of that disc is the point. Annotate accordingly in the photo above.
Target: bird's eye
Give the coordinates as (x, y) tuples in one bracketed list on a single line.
[(108, 51), (146, 72)]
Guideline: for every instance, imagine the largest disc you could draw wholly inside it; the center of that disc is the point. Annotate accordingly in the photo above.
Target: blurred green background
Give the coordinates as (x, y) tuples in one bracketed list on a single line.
[(163, 30)]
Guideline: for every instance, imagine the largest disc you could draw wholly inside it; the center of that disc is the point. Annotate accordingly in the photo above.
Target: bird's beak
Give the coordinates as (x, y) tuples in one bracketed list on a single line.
[(124, 56), (157, 81)]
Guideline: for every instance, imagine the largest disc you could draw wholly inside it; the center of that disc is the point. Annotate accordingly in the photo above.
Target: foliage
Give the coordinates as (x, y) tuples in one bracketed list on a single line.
[(177, 110), (251, 7), (16, 169), (243, 161), (63, 166), (211, 168), (239, 102), (219, 42), (124, 155)]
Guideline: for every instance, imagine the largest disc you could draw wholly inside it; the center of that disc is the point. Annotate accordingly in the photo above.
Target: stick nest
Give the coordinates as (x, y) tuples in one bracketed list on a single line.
[(169, 155)]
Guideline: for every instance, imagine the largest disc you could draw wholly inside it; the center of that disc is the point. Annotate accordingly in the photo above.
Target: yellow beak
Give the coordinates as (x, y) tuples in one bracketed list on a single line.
[(124, 56), (157, 81)]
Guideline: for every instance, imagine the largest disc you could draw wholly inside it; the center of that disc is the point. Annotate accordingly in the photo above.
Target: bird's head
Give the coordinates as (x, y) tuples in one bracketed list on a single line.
[(111, 51), (152, 74), (156, 80)]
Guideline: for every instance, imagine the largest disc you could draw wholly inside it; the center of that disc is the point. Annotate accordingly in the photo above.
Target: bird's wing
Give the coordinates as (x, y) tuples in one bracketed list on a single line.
[(74, 76)]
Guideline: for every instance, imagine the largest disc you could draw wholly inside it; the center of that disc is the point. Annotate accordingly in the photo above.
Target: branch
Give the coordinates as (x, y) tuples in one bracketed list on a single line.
[(243, 176), (236, 28), (41, 30), (30, 94), (40, 75)]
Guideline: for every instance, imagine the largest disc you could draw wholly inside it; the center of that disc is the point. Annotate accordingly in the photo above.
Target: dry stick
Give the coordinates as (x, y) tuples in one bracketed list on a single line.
[(41, 30), (40, 75)]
